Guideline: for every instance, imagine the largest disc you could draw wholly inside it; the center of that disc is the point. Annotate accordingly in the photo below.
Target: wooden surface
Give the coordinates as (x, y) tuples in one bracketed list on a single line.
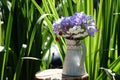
[(56, 74)]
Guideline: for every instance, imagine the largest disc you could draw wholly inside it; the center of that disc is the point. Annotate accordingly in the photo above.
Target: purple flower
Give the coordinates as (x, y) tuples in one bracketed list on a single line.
[(65, 21), (56, 27), (91, 30), (77, 19), (73, 26)]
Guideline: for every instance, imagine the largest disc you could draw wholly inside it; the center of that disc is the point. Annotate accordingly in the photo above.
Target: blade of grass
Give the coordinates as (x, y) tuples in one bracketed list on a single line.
[(113, 66), (85, 6), (47, 47), (49, 22), (89, 42), (7, 39), (45, 4), (64, 8), (90, 7), (70, 7), (46, 19), (1, 30), (31, 19), (34, 31), (78, 5), (53, 9), (113, 36), (20, 62)]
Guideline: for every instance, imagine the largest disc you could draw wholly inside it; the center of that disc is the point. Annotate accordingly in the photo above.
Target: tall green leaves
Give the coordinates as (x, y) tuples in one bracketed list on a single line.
[(1, 30), (7, 39), (28, 22), (20, 62), (106, 24), (49, 23)]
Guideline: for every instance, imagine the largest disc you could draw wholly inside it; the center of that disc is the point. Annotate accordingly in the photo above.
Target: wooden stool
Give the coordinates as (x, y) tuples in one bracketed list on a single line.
[(56, 74)]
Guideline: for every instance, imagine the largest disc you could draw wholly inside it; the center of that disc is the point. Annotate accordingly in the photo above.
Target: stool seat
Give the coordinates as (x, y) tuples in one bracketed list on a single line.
[(56, 74)]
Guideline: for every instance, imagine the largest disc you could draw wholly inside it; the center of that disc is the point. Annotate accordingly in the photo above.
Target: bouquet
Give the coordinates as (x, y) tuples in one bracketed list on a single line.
[(75, 27)]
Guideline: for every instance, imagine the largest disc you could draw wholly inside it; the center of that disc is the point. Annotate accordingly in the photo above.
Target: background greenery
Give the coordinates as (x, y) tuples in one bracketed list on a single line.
[(26, 35)]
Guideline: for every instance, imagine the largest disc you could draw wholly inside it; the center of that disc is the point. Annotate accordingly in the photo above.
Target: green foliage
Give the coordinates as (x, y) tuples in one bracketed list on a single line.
[(30, 23)]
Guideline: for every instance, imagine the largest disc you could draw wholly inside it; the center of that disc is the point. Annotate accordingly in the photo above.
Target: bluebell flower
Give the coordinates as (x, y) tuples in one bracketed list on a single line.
[(75, 27), (65, 21), (91, 30)]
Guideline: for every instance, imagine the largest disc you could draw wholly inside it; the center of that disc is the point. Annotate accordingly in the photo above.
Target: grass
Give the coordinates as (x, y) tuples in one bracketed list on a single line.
[(29, 23)]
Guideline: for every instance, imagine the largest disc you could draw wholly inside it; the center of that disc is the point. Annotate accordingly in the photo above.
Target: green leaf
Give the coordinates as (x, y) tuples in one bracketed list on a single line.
[(34, 31)]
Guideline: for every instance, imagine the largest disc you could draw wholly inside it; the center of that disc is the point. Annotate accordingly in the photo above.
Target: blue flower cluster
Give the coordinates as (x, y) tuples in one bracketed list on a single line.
[(75, 27)]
